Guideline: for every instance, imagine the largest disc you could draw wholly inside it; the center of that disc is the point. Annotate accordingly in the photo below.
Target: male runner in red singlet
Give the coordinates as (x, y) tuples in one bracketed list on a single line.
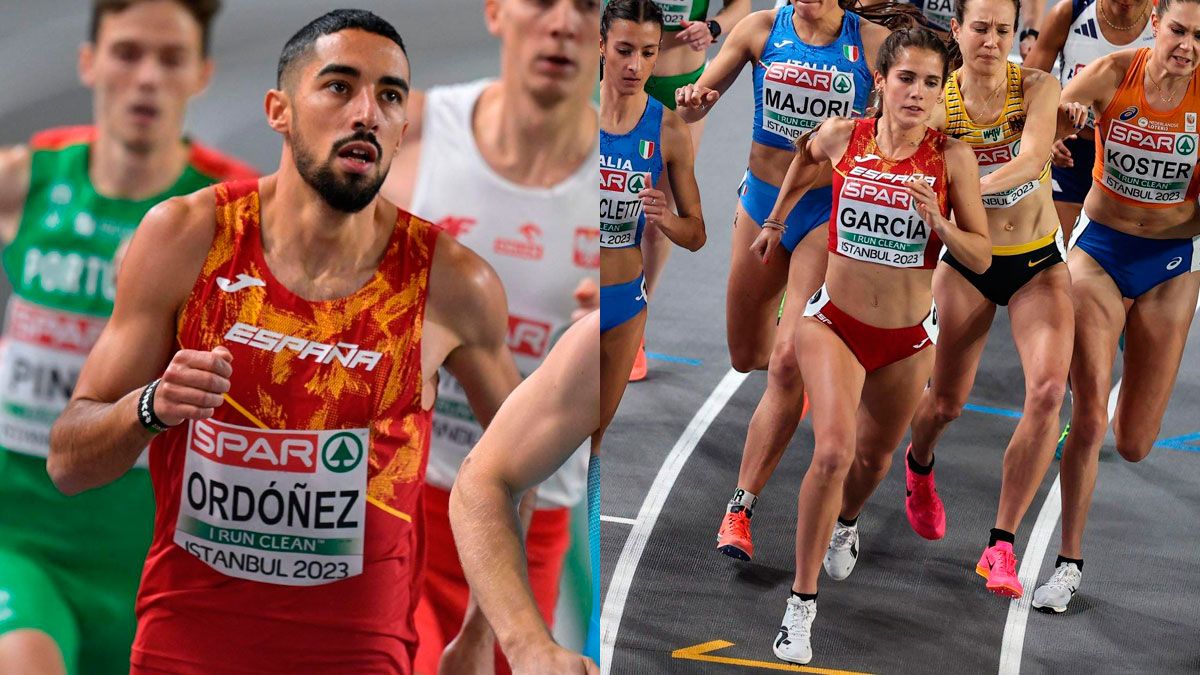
[(295, 326), (509, 165)]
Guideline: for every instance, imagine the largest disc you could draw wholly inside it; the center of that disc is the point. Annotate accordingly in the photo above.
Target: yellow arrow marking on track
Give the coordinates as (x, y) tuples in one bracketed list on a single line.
[(701, 652)]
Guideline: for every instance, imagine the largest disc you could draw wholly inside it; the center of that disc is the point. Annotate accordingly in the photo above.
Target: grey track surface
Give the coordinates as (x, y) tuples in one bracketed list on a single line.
[(911, 605)]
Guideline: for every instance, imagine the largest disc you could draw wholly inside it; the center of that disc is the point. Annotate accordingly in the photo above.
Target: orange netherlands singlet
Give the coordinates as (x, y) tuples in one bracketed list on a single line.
[(287, 535), (1148, 158)]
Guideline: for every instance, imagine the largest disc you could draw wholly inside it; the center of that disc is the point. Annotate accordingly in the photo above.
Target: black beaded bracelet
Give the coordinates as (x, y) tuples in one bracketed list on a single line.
[(146, 409)]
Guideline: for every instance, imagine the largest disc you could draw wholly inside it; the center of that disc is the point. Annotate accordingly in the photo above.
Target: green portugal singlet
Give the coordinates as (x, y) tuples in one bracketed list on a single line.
[(70, 566)]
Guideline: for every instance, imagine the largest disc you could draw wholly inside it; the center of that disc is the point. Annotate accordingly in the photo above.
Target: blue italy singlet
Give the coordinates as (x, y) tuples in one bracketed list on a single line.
[(628, 164), (797, 85)]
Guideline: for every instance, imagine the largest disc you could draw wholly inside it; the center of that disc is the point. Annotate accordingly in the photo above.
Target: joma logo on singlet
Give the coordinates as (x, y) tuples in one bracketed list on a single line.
[(1155, 142), (349, 355)]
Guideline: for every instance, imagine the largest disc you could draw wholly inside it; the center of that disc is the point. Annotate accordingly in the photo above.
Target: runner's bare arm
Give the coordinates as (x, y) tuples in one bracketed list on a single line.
[(813, 149), (1052, 36), (743, 46), (687, 228), (967, 235), (1041, 121), (1095, 85), (731, 14), (803, 171), (402, 176), (536, 430), (98, 437), (15, 164), (467, 304), (873, 36)]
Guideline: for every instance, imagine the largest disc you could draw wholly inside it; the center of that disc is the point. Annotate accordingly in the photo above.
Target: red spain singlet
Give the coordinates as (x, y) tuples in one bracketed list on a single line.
[(873, 218), (287, 535)]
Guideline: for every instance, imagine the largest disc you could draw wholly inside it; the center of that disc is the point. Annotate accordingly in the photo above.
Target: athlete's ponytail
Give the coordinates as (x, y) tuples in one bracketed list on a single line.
[(637, 11)]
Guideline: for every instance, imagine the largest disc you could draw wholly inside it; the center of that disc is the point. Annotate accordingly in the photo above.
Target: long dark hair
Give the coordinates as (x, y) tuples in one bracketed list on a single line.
[(637, 11), (900, 15)]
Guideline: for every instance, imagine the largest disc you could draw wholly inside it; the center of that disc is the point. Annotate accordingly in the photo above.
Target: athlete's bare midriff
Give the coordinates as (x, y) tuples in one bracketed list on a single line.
[(676, 57), (620, 265), (1028, 220), (879, 295), (1174, 222), (771, 165)]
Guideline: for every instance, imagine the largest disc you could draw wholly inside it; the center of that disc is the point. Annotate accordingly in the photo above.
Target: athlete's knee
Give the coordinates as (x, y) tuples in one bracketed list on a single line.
[(874, 460), (747, 358), (946, 409), (1134, 445), (784, 368), (1045, 397), (832, 458)]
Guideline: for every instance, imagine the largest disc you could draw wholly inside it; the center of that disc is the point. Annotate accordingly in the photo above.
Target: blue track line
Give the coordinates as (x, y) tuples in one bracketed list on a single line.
[(673, 359)]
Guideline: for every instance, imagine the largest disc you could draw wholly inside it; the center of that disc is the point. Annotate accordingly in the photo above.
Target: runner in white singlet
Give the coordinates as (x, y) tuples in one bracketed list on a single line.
[(509, 167)]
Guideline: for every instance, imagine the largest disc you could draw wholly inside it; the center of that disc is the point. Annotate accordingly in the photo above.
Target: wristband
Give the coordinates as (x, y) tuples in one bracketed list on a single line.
[(145, 410), (775, 224), (1029, 32)]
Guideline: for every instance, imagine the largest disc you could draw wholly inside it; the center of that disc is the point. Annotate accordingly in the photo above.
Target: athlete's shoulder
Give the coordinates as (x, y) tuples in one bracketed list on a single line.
[(14, 170), (218, 165), (15, 175), (464, 290), (62, 137), (184, 223), (958, 153), (1110, 68), (1035, 82), (756, 24)]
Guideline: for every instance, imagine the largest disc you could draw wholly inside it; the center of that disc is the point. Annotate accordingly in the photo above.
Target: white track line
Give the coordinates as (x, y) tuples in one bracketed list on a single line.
[(660, 489), (1039, 541), (618, 519), (1018, 612)]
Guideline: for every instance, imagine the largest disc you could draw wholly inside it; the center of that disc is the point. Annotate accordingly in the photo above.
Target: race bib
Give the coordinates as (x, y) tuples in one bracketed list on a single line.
[(990, 160), (1151, 167), (674, 12), (41, 355), (620, 208), (938, 12), (281, 507), (876, 221), (797, 98)]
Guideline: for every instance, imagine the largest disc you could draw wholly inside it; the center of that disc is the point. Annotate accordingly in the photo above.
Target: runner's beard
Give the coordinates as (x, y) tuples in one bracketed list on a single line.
[(350, 193)]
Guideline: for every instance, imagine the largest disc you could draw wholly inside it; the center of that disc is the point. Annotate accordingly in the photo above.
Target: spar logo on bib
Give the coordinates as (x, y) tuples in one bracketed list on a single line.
[(876, 223), (620, 208), (280, 506), (797, 98), (1147, 166), (342, 452)]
